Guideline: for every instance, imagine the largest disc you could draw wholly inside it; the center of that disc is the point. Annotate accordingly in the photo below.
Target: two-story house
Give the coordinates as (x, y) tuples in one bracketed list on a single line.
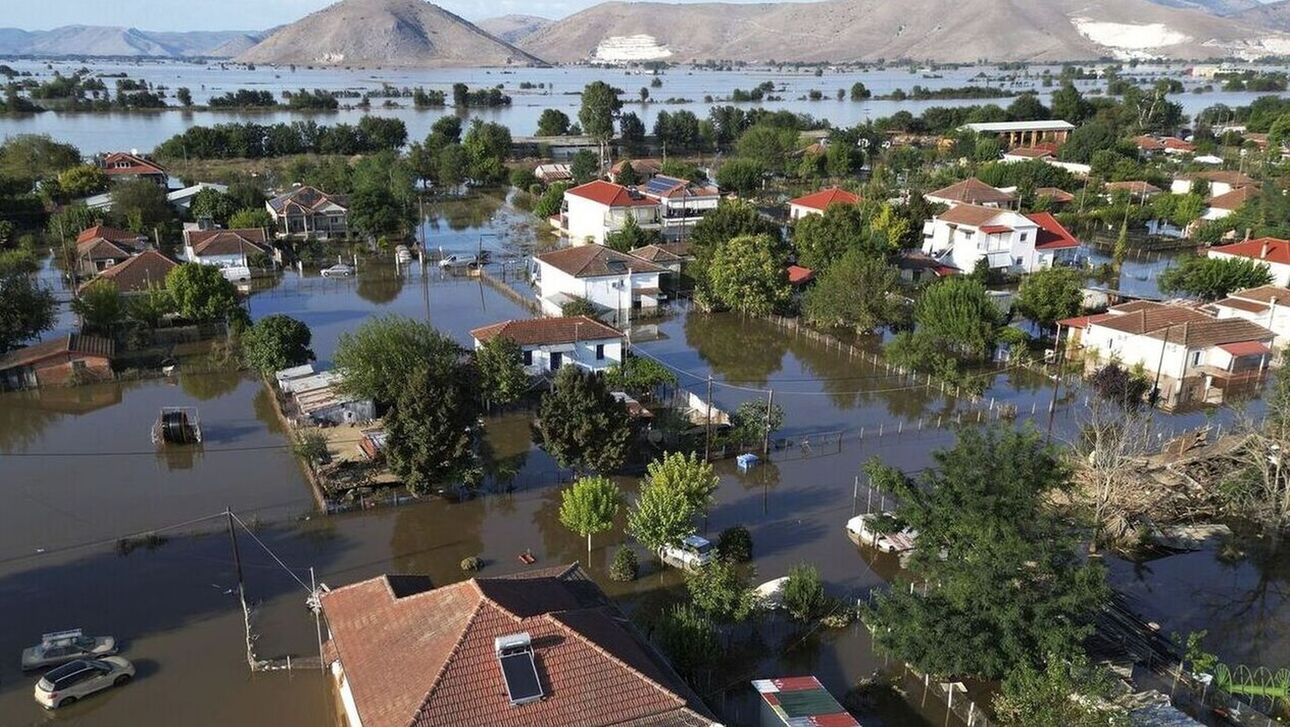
[(1006, 240), (614, 282), (1267, 305), (309, 212), (121, 166), (594, 210), (546, 344), (681, 203), (100, 247)]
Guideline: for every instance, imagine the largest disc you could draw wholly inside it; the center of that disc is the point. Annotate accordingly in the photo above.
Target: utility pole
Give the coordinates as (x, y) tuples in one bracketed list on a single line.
[(707, 425), (765, 445), (237, 554)]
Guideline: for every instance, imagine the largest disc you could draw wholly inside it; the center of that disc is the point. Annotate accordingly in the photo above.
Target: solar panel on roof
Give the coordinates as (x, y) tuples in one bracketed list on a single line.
[(515, 655), (660, 185)]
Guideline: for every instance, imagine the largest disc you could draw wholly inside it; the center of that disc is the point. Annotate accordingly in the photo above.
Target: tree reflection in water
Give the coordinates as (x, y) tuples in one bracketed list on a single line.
[(741, 350)]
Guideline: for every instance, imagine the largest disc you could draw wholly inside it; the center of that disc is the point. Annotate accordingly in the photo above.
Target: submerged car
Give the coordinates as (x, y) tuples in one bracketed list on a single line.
[(81, 678), (340, 270), (61, 647), (459, 261), (692, 553)]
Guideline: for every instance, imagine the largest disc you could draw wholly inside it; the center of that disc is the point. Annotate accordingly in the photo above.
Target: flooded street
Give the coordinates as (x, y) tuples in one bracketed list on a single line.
[(80, 471)]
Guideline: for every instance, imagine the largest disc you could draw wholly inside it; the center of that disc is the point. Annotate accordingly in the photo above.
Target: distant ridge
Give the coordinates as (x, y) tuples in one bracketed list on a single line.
[(514, 28), (408, 33), (1275, 16), (98, 40)]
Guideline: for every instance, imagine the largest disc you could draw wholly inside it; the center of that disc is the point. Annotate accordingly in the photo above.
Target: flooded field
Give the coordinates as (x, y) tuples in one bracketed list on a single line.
[(81, 471)]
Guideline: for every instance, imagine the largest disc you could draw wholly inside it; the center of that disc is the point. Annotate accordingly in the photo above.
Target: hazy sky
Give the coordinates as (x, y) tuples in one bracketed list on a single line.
[(236, 14)]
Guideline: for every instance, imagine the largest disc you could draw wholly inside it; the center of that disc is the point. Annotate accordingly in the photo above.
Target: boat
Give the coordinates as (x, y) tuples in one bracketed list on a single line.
[(770, 595), (875, 530)]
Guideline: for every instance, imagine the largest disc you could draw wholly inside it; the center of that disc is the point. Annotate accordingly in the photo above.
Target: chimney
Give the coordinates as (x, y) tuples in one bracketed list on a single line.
[(1264, 252)]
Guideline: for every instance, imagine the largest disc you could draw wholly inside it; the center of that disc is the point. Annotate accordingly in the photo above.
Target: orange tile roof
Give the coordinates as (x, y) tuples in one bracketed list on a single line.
[(591, 261), (1267, 249), (1052, 234), (973, 191), (539, 331), (75, 344), (225, 242), (421, 656), (610, 194), (1056, 194), (1235, 198), (111, 234), (98, 248), (136, 164), (1246, 348), (1181, 325), (136, 274), (799, 275), (822, 199), (970, 215)]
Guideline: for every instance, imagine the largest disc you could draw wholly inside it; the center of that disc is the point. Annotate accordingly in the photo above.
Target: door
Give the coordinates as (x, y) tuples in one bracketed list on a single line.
[(557, 358)]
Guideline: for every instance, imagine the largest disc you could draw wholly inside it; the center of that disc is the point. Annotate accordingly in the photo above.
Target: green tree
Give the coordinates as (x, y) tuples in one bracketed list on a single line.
[(589, 506), (688, 474), (1007, 585), (631, 236), (30, 157), (584, 167), (639, 376), (201, 293), (141, 206), (1087, 140), (430, 427), (548, 205), (822, 239), (600, 108), (487, 145), (661, 516), (582, 425), (100, 307), (376, 358), (958, 311), (578, 306), (251, 218), (184, 96), (721, 591), (1059, 695), (735, 544), (452, 165), (82, 181), (753, 421), (768, 145), (553, 122), (747, 274), (859, 92), (631, 133), (741, 176), (732, 218), (151, 306), (1210, 278), (1068, 104), (276, 342), (689, 639), (502, 379), (1047, 296), (374, 211), (210, 203), (627, 174), (804, 596), (26, 310), (855, 292)]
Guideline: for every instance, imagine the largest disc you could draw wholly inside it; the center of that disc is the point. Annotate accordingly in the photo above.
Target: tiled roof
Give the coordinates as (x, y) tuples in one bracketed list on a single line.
[(1222, 176), (799, 275), (427, 658), (1173, 142), (75, 343), (644, 167), (1137, 189), (98, 248), (1265, 294), (539, 331), (1055, 194), (1248, 306), (1052, 234), (656, 254), (822, 199), (136, 274), (225, 242), (1148, 143), (1030, 152), (995, 229), (1235, 198), (1181, 325), (590, 261), (137, 164), (1267, 249), (610, 194), (111, 234), (973, 191), (970, 215), (678, 188), (1246, 348), (307, 199)]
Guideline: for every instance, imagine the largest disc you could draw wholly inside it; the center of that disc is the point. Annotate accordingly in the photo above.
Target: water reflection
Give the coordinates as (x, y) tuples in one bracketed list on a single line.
[(740, 350), (207, 386), (381, 287)]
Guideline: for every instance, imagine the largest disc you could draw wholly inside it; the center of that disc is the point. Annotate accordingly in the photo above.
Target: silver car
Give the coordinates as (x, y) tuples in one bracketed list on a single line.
[(79, 679), (61, 647)]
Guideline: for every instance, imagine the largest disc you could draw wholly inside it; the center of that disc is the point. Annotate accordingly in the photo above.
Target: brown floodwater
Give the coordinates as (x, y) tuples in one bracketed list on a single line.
[(79, 471)]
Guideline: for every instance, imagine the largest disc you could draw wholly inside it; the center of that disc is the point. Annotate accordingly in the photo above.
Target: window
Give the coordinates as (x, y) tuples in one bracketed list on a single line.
[(1195, 358), (528, 357), (557, 358), (1024, 235), (600, 352)]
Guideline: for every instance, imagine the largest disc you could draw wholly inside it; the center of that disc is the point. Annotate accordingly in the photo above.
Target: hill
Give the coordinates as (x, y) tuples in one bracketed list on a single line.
[(1275, 16), (385, 33), (98, 40), (941, 30), (513, 28), (1214, 7)]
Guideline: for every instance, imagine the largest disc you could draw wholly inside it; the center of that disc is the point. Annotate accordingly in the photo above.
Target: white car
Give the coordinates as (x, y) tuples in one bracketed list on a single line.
[(81, 678), (459, 261), (61, 647), (692, 553), (339, 270)]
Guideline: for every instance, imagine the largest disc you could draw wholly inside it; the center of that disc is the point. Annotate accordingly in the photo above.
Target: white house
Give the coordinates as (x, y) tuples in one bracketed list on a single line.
[(549, 343), (1025, 133), (816, 202), (681, 203), (1270, 251), (309, 212), (1220, 182), (1222, 205), (1008, 240), (1268, 306), (593, 210), (972, 191), (1191, 356), (224, 248), (610, 280)]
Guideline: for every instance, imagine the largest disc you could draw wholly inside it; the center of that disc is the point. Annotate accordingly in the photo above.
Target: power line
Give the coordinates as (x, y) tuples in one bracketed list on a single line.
[(149, 452), (272, 555)]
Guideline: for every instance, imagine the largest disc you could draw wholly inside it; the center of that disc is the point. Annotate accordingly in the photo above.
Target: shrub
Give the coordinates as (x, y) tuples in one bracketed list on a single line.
[(472, 564), (804, 597), (624, 567), (735, 544)]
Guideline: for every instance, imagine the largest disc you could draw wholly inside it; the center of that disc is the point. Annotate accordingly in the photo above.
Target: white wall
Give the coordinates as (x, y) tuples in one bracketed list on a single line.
[(1275, 319), (968, 244), (586, 219), (609, 291)]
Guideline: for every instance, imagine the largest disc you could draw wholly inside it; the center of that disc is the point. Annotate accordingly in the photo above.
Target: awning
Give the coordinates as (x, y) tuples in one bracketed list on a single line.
[(1246, 348)]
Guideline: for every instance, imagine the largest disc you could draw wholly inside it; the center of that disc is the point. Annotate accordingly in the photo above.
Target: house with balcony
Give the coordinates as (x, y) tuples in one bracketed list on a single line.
[(1268, 251), (594, 210), (1010, 241), (616, 283), (546, 344), (681, 203), (1191, 356), (309, 212)]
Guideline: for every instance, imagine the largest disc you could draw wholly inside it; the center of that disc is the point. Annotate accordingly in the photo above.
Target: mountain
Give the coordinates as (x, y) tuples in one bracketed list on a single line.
[(98, 40), (385, 33), (1213, 7), (941, 30), (1275, 16), (513, 28)]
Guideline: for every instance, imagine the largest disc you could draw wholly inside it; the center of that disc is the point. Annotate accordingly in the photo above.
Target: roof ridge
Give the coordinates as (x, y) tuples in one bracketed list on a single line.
[(436, 680), (554, 616)]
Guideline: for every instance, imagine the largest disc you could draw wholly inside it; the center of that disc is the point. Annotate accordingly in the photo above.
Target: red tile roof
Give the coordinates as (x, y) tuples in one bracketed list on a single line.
[(540, 331), (1148, 143), (98, 248), (1030, 152), (1246, 348), (1055, 194), (973, 191), (1173, 142), (1267, 249), (111, 234), (136, 274), (610, 194), (82, 345), (822, 199), (995, 229), (1181, 325), (225, 242), (799, 275), (1265, 294), (1052, 234), (970, 215), (590, 261), (1136, 189), (1083, 321), (421, 656), (135, 164)]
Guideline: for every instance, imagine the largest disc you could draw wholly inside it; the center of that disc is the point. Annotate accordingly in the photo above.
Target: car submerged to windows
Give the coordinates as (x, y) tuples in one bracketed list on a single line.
[(76, 680), (691, 553), (61, 647)]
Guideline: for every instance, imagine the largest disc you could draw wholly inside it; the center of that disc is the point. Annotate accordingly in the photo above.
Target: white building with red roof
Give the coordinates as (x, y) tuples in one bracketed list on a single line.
[(1270, 251), (546, 344), (121, 166), (611, 281), (816, 202), (1266, 305), (225, 248), (593, 210), (1007, 240)]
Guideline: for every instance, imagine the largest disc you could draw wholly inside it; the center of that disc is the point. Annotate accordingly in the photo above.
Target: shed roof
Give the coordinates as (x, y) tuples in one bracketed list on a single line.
[(75, 343)]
